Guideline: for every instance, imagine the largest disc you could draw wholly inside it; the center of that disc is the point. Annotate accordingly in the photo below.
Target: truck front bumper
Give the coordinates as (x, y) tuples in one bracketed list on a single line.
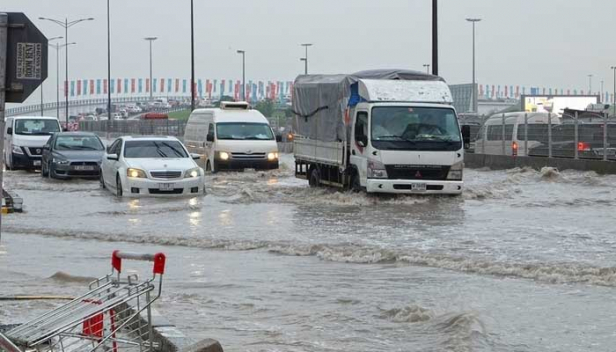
[(414, 186)]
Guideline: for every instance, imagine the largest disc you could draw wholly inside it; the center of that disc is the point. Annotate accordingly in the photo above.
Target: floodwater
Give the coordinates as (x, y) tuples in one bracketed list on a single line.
[(523, 261)]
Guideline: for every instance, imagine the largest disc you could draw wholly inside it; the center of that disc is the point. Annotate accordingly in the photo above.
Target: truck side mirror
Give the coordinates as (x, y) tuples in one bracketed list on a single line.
[(210, 137), (9, 130), (466, 136)]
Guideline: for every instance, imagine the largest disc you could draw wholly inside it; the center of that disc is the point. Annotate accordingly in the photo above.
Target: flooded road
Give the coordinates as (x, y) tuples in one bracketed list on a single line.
[(523, 261)]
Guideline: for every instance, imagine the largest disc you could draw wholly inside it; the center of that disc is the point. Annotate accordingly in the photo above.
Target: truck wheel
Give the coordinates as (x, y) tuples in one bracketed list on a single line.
[(355, 183), (315, 178)]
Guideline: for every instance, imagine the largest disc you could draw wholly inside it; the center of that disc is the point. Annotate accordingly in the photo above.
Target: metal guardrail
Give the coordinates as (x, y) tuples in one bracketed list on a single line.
[(36, 108)]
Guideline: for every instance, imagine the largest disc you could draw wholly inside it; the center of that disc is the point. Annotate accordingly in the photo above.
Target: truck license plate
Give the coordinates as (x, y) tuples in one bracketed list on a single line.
[(36, 163), (166, 186), (84, 168), (418, 187)]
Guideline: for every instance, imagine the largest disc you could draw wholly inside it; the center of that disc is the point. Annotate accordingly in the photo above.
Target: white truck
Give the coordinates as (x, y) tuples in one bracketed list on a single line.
[(382, 131)]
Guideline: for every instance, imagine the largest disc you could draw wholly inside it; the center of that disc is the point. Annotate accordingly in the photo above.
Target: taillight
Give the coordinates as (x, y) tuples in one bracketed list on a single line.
[(583, 147), (514, 148)]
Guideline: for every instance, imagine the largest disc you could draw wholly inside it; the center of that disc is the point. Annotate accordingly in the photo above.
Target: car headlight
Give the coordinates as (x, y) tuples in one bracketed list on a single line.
[(376, 169), (60, 161), (272, 156), (17, 149), (224, 155), (135, 173), (192, 173), (456, 172)]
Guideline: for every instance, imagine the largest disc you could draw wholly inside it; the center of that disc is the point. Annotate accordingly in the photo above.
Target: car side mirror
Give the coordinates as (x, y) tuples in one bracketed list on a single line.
[(9, 130), (278, 138), (466, 136), (46, 147), (113, 157), (195, 156), (210, 137)]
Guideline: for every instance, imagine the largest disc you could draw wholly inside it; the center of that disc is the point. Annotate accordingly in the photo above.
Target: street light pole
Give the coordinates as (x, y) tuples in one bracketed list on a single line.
[(473, 21), (58, 47), (601, 100), (306, 45), (42, 104), (243, 97), (589, 84), (151, 39), (435, 37), (66, 25), (192, 57), (614, 92), (108, 70), (427, 66)]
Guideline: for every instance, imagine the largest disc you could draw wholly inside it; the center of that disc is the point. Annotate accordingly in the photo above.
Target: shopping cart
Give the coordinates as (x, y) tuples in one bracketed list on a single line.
[(114, 315)]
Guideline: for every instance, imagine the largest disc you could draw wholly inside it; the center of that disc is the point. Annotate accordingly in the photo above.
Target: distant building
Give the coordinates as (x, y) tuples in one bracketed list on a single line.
[(463, 101)]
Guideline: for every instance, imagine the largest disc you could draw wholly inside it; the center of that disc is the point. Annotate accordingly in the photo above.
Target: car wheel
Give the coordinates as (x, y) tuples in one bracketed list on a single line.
[(50, 174), (102, 180), (355, 183), (44, 170), (119, 190), (7, 164), (315, 178), (208, 166)]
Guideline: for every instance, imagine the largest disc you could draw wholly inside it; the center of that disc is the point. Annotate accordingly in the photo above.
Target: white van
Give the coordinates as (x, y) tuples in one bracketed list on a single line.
[(24, 138), (490, 135), (233, 137)]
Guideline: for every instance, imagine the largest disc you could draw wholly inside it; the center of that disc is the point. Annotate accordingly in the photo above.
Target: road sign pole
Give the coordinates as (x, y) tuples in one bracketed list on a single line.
[(4, 26)]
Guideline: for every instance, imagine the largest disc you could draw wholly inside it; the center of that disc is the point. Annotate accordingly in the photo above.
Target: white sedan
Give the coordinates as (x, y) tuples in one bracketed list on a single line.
[(137, 166)]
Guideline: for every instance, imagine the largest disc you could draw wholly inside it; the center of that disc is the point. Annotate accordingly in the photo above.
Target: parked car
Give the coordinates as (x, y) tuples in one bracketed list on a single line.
[(24, 139), (589, 144), (72, 154), (133, 109), (135, 166)]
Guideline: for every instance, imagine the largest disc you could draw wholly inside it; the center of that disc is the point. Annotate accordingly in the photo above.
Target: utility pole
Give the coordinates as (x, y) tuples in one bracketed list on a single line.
[(4, 29), (435, 37), (614, 92), (475, 107)]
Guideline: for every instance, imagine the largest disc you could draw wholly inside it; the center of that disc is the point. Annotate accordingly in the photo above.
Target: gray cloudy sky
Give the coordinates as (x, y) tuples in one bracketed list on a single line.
[(544, 43)]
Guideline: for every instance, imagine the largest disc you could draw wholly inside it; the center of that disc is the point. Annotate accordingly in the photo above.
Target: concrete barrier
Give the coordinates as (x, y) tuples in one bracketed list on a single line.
[(502, 162)]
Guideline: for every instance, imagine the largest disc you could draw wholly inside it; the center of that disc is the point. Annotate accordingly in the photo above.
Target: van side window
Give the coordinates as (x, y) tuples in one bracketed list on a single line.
[(495, 132)]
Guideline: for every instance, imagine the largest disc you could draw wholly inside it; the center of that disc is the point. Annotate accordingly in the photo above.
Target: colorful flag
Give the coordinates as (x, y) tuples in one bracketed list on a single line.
[(105, 86), (184, 85), (91, 87), (215, 85), (98, 86), (169, 85), (79, 87), (125, 85), (132, 85), (177, 85), (200, 87), (222, 87), (140, 85), (112, 86), (119, 85), (162, 85)]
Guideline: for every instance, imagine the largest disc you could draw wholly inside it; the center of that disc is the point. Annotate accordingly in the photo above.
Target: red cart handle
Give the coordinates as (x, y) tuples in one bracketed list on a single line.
[(158, 259)]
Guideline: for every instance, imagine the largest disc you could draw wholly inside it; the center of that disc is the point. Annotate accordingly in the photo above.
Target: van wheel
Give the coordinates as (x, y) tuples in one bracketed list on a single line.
[(355, 183), (119, 190), (315, 178)]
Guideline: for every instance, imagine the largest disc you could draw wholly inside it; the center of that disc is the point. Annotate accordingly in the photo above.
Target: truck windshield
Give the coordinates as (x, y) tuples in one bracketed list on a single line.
[(244, 131), (414, 128), (36, 126)]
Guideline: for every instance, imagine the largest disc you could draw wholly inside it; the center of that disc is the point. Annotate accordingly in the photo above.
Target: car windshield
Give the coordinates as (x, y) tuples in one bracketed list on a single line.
[(36, 126), (244, 131), (78, 143), (415, 128), (154, 149)]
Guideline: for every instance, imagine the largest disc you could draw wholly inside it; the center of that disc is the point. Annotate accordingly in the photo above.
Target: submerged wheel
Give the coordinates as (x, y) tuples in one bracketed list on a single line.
[(315, 178), (44, 170), (119, 190), (355, 183), (102, 180)]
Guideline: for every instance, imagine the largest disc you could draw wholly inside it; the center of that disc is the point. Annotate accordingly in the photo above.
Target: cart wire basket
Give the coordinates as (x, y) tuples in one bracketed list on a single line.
[(115, 314)]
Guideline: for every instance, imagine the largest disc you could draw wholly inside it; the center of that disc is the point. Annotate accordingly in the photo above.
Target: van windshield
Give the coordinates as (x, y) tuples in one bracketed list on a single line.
[(415, 128), (244, 131), (36, 126)]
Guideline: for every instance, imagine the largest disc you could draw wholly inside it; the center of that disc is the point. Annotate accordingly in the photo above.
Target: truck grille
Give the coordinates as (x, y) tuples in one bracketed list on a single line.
[(417, 172), (166, 174)]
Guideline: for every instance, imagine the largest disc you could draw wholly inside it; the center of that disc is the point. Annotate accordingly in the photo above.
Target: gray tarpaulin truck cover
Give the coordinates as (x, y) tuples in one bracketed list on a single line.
[(320, 101)]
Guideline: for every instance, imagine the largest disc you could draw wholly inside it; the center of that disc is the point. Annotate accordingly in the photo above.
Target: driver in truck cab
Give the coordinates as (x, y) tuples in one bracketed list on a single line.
[(428, 125)]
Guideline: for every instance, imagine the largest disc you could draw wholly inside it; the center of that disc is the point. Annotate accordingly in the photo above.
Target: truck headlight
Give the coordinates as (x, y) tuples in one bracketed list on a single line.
[(456, 172), (135, 173), (17, 150), (192, 173), (224, 155), (272, 156), (376, 169)]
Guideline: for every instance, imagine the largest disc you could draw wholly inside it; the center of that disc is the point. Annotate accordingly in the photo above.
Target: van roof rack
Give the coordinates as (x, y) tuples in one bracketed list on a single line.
[(234, 105)]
